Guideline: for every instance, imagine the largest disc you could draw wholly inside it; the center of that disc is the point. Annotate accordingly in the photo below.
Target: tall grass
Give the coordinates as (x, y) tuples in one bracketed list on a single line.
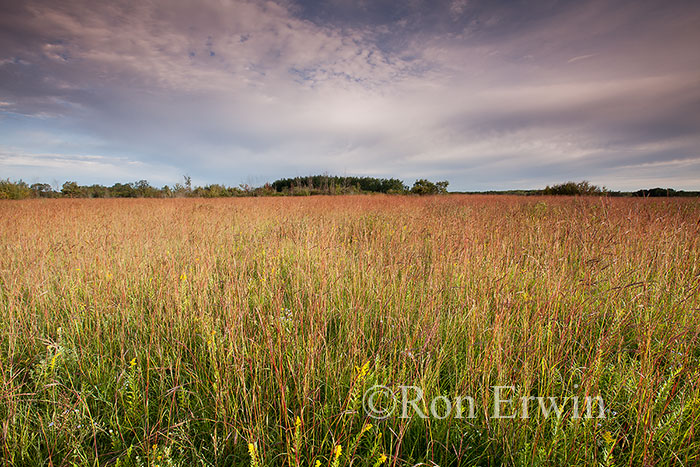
[(245, 332)]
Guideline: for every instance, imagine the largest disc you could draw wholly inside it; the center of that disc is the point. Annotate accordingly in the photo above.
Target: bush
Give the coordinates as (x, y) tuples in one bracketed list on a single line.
[(426, 187), (583, 188), (14, 190)]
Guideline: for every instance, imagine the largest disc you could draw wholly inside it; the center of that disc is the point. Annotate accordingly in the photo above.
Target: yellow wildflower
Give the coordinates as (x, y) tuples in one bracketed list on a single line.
[(53, 360), (338, 451), (607, 437), (362, 371)]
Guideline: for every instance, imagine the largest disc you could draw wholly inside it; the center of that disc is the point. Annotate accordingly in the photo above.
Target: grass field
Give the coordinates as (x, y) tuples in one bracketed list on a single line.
[(246, 331)]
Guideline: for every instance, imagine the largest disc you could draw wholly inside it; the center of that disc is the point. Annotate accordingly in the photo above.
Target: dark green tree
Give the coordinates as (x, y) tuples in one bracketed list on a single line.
[(71, 190)]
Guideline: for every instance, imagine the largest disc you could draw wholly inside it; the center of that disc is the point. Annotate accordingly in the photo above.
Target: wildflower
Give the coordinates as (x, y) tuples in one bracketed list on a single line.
[(53, 360), (380, 461), (366, 428), (336, 453), (183, 276), (297, 422), (318, 463), (254, 461), (132, 363), (607, 437), (362, 371)]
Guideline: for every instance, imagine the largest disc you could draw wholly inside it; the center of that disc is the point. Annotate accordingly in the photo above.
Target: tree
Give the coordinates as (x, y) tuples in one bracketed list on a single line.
[(42, 190), (145, 190), (14, 190), (71, 190), (442, 186), (123, 190), (96, 191), (573, 188)]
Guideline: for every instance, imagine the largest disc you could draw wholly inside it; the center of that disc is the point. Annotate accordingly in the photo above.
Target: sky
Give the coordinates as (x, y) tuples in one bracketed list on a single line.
[(486, 94)]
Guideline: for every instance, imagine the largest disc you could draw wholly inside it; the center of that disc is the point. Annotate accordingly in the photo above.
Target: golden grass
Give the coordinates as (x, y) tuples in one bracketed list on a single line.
[(173, 332)]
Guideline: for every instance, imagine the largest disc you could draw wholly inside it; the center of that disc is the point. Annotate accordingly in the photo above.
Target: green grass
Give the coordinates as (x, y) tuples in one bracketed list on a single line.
[(234, 332)]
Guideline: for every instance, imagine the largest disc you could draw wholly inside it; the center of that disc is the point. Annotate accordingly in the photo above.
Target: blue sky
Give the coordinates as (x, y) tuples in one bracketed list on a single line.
[(485, 94)]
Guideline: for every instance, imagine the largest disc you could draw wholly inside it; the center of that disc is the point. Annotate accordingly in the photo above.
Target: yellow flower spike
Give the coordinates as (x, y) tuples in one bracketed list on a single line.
[(183, 276), (366, 428), (251, 449), (53, 361), (382, 459), (297, 422), (362, 371), (607, 437), (318, 463), (338, 451), (132, 363)]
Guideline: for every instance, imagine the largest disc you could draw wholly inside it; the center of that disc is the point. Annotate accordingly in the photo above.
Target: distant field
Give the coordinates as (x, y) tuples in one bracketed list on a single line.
[(247, 331)]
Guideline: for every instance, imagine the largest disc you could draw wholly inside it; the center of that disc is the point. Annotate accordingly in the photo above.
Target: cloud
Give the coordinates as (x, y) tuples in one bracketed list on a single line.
[(580, 57), (71, 166), (482, 94)]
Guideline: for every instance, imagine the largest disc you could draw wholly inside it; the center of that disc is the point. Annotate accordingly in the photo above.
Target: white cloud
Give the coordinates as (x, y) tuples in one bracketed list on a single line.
[(580, 57), (18, 164)]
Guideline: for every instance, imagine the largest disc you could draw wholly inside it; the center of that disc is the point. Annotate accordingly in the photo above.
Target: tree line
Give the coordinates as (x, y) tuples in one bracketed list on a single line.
[(298, 186), (585, 188)]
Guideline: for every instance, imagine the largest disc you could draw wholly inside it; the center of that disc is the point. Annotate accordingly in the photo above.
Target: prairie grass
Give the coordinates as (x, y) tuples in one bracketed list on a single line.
[(245, 331)]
